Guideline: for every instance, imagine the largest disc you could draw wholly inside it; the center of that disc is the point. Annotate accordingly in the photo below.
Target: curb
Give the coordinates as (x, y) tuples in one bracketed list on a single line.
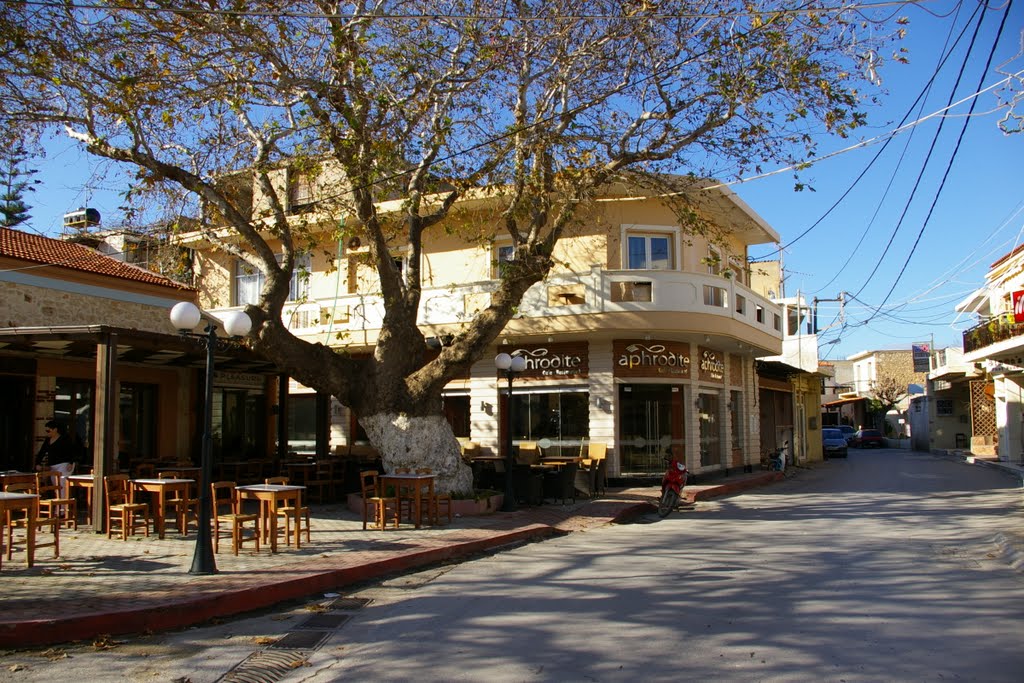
[(189, 611), (1013, 553)]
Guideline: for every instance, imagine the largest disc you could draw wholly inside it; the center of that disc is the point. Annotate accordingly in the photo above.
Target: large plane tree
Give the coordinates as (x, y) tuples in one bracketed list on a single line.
[(544, 103)]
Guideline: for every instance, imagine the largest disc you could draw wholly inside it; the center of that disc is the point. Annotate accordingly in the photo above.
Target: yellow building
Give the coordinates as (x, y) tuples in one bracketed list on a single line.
[(642, 337)]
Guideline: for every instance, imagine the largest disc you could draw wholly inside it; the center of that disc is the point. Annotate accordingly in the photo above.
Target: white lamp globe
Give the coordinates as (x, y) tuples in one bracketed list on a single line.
[(518, 364), (503, 361), (237, 323), (185, 315)]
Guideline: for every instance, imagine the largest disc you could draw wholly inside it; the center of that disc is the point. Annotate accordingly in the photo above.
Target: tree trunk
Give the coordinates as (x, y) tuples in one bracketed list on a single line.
[(414, 442)]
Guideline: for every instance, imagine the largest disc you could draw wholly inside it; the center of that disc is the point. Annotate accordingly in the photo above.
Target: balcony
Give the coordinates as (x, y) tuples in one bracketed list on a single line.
[(993, 331), (357, 317)]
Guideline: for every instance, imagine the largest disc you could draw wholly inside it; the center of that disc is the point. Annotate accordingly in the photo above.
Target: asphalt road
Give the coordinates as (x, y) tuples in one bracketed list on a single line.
[(879, 567)]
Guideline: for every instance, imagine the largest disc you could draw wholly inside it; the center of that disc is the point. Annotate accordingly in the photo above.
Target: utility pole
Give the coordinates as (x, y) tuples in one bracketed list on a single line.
[(842, 310)]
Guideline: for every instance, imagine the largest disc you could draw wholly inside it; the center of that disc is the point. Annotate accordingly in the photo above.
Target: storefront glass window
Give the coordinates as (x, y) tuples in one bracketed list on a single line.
[(710, 442), (72, 405), (456, 411), (563, 419), (302, 423), (138, 421), (239, 424)]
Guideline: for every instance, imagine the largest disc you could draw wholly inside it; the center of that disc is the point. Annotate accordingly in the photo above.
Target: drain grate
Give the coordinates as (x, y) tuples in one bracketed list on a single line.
[(300, 640), (264, 667), (324, 621), (350, 603)]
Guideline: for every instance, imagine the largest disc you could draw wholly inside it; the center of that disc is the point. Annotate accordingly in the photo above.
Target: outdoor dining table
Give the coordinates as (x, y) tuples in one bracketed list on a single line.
[(271, 497), (162, 487), (28, 503), (87, 483), (406, 481)]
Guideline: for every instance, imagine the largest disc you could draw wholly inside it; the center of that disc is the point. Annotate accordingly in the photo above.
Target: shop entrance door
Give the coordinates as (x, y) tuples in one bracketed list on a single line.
[(645, 428)]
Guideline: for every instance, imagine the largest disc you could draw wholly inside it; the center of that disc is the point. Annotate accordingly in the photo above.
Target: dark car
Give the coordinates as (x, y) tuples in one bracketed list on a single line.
[(833, 443), (867, 438), (847, 431)]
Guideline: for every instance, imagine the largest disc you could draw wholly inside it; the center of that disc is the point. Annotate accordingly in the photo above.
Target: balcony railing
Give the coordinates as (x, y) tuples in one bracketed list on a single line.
[(594, 292), (991, 332)]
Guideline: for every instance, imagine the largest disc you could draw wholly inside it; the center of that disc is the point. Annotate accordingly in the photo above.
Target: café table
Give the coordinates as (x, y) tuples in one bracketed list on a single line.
[(271, 497), (162, 487), (27, 502), (406, 481), (87, 483)]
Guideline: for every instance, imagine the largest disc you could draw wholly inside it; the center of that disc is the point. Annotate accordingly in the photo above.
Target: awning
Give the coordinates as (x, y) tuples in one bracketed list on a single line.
[(843, 401)]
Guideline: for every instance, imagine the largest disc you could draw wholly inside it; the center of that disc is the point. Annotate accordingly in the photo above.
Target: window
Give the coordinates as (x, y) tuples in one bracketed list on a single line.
[(302, 423), (504, 255), (944, 407), (249, 281), (138, 411), (741, 304), (777, 321), (759, 313), (561, 417), (456, 408), (714, 261), (649, 252), (300, 192)]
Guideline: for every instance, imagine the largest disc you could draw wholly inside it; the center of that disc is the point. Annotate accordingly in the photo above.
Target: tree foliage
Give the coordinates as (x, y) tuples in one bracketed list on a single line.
[(15, 181), (546, 104)]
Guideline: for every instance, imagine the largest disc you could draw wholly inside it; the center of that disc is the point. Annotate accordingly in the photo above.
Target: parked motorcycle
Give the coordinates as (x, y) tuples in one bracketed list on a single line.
[(777, 459), (672, 484)]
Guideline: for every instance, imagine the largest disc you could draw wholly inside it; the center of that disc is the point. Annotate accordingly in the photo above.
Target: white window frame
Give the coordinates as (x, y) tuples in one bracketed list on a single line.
[(298, 288), (501, 244), (648, 232)]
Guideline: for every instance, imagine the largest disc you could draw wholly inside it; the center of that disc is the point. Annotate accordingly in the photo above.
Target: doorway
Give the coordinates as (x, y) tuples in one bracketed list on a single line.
[(650, 425)]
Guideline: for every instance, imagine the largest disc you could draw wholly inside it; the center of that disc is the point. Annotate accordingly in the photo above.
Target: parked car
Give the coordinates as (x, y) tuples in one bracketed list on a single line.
[(867, 438), (847, 431), (833, 443)]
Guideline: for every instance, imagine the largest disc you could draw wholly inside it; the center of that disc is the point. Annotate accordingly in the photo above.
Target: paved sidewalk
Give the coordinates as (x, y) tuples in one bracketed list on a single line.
[(105, 587)]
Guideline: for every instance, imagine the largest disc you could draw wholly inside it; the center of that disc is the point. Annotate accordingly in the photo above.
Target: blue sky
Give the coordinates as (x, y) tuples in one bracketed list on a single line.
[(977, 217)]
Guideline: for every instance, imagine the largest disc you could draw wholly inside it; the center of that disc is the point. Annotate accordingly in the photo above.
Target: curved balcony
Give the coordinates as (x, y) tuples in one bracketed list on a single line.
[(595, 293)]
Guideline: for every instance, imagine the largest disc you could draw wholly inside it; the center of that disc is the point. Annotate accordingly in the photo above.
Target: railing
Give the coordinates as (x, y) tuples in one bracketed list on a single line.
[(990, 332), (593, 292)]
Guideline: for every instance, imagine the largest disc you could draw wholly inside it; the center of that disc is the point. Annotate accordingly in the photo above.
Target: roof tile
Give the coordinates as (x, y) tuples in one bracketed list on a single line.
[(45, 250)]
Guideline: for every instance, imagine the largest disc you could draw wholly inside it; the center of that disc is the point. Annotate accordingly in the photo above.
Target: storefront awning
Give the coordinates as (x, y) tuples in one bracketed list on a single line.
[(843, 401)]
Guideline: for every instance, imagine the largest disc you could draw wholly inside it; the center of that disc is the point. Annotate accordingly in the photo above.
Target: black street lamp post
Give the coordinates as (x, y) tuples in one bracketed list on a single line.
[(509, 366), (185, 316)]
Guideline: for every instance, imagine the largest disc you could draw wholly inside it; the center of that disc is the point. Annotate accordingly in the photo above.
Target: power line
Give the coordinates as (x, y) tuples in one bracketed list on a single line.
[(956, 149)]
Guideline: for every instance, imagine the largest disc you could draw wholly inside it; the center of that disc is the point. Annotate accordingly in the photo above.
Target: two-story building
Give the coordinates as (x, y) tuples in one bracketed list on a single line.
[(643, 337), (995, 346)]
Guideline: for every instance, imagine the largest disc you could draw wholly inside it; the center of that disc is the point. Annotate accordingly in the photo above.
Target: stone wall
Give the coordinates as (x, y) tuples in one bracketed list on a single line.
[(28, 306)]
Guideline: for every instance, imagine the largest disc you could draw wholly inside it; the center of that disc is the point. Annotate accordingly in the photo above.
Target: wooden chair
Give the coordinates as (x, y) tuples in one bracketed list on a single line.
[(184, 506), (529, 453), (435, 501), (53, 501), (122, 508), (227, 510), (373, 500), (17, 520), (291, 512), (597, 453), (320, 484)]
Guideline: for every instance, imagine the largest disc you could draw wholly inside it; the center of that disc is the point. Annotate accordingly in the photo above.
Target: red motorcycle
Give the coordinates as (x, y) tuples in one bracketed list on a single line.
[(672, 486)]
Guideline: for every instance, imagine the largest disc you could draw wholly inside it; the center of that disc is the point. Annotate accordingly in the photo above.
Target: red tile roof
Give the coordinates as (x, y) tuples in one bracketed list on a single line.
[(58, 253)]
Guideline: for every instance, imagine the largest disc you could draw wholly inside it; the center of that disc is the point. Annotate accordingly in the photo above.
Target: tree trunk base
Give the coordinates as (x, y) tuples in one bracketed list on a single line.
[(418, 442)]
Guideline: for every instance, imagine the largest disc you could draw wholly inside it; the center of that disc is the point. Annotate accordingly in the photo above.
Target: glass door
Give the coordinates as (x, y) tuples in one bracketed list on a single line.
[(710, 430), (645, 428)]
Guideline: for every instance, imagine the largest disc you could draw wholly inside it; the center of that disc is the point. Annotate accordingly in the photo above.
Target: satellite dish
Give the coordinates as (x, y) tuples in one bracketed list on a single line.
[(354, 243)]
